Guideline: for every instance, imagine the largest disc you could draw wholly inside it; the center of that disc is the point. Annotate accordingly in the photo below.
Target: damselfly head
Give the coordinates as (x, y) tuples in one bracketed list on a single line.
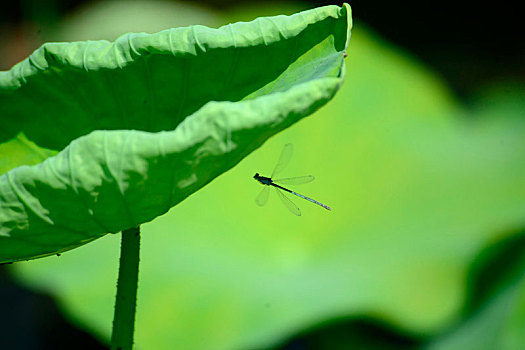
[(256, 176)]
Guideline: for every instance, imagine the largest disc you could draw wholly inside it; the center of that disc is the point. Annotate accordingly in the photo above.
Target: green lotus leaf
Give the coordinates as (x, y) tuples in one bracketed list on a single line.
[(497, 318), (143, 122)]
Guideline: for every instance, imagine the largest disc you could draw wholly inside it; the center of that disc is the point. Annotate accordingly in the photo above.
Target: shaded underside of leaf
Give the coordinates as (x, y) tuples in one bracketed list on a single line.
[(145, 121)]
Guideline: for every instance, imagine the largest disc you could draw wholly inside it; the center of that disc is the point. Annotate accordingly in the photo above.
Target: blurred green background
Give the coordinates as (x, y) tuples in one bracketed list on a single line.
[(420, 155)]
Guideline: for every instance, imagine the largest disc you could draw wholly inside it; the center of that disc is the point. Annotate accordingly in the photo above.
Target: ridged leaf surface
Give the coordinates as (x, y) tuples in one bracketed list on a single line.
[(141, 123)]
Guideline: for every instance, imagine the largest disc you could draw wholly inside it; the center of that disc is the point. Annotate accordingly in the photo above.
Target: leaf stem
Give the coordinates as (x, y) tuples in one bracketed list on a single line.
[(126, 300)]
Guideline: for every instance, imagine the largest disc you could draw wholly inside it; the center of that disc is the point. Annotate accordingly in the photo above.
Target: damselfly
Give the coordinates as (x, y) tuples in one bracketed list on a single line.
[(284, 159)]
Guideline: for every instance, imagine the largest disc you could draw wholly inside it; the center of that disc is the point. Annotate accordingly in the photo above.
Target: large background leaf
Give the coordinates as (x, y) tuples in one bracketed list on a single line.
[(419, 185), (191, 82)]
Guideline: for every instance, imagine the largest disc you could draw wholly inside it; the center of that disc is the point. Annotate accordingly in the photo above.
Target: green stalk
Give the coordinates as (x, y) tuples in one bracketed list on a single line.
[(126, 300)]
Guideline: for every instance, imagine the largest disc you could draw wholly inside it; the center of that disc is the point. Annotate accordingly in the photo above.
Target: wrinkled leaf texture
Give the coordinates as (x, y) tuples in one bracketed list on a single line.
[(143, 122)]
